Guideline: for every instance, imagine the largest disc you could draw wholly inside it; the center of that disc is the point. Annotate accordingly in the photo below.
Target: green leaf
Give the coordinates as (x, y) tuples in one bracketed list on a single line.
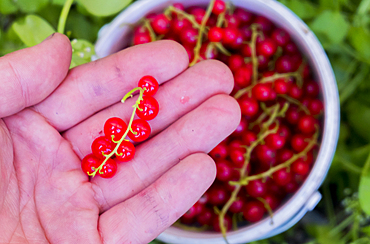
[(364, 240), (331, 24), (359, 37), (104, 7), (364, 188), (7, 7), (82, 52), (366, 230), (28, 6), (58, 2), (32, 30), (304, 9), (81, 27), (359, 118)]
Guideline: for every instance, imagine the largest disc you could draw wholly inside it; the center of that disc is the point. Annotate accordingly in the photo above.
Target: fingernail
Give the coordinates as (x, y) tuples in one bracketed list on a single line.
[(49, 37)]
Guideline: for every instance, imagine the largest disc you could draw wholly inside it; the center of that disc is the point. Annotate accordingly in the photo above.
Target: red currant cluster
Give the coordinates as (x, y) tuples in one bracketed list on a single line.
[(114, 143), (272, 151)]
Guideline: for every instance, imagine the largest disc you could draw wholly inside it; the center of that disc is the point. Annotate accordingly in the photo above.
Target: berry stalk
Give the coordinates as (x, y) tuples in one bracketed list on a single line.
[(136, 107)]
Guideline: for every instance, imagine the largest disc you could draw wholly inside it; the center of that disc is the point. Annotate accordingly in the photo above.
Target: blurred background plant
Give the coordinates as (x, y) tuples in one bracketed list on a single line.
[(343, 27)]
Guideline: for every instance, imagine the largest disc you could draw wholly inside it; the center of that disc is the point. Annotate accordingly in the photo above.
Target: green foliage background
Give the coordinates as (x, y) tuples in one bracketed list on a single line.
[(343, 28)]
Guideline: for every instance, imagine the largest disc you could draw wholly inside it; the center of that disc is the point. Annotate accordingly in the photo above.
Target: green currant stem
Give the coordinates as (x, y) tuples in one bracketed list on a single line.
[(267, 206), (184, 14), (201, 30), (247, 156), (220, 19), (222, 48), (286, 164), (243, 173), (296, 102), (255, 34), (64, 15), (135, 106), (272, 78), (152, 35)]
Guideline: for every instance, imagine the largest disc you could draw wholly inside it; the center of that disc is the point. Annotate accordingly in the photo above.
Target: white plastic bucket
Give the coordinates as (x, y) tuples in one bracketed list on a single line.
[(114, 36)]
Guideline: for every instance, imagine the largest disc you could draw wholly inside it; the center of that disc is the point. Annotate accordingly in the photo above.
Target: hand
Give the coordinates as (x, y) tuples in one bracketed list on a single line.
[(50, 116)]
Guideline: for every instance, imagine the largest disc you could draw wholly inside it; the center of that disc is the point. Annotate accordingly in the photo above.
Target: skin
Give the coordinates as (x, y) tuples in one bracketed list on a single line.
[(50, 116)]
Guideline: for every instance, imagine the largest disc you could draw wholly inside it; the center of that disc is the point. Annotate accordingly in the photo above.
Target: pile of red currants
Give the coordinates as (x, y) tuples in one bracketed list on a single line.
[(114, 143), (272, 151)]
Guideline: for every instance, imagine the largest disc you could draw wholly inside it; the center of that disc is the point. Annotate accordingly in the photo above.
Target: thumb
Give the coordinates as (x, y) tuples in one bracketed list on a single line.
[(28, 76)]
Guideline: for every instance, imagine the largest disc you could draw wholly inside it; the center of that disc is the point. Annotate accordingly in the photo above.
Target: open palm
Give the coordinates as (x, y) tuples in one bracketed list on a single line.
[(50, 115)]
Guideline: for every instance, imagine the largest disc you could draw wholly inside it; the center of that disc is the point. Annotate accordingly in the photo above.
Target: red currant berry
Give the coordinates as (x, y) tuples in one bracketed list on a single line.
[(198, 14), (236, 61), (237, 157), (295, 92), (149, 84), (261, 92), (102, 146), (109, 169), (141, 38), (189, 36), (230, 35), (284, 132), (311, 89), (188, 217), (282, 177), (215, 34), (306, 124), (316, 107), (293, 115), (281, 37), (253, 211), (298, 142), (219, 152), (267, 47), (265, 23), (284, 64), (242, 127), (265, 155), (249, 137), (218, 195), (246, 50), (281, 86), (291, 187), (263, 62), (237, 206), (142, 129), (284, 155), (224, 170), (205, 217), (126, 151), (178, 24), (219, 7), (232, 21), (90, 163), (243, 16), (148, 108), (243, 76), (248, 106), (179, 6), (291, 48), (115, 128), (274, 141), (301, 168), (161, 24), (256, 188), (246, 32)]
